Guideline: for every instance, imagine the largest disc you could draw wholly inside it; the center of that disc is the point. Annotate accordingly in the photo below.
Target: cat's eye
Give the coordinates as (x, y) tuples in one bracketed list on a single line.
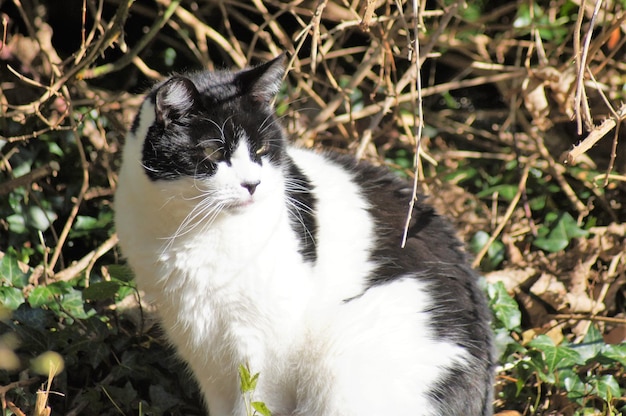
[(263, 150), (213, 154)]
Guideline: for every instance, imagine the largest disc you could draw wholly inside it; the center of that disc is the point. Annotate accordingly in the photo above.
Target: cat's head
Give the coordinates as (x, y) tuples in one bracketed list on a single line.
[(216, 128)]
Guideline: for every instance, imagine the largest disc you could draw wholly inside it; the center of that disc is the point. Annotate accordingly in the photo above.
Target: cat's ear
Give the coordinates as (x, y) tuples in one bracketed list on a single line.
[(263, 81), (175, 98)]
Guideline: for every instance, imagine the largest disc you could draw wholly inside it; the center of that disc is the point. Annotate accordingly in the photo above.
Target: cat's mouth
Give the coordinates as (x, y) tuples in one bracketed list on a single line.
[(241, 203)]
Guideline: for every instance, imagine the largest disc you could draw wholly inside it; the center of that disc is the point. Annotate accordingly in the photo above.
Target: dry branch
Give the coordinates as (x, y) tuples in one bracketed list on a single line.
[(595, 135)]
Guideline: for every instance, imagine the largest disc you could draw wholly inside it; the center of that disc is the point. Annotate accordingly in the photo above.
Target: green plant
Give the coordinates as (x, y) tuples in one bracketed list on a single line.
[(589, 372), (247, 386)]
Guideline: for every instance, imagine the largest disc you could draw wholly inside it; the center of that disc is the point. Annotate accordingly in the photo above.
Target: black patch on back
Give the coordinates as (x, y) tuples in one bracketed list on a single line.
[(433, 254), (301, 205)]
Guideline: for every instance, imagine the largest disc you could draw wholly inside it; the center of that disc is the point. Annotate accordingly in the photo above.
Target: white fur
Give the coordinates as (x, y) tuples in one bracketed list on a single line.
[(232, 289)]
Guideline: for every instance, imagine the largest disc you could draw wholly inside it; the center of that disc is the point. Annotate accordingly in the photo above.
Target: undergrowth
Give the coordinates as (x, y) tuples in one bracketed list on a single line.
[(513, 131)]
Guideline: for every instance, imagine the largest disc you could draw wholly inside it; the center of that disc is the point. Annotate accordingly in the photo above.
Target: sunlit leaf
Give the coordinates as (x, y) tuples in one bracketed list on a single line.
[(504, 307), (10, 272), (555, 356), (11, 297), (561, 234), (261, 408), (606, 387), (592, 344)]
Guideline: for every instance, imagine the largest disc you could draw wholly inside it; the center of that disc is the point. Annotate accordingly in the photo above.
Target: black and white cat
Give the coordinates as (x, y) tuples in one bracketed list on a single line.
[(289, 261)]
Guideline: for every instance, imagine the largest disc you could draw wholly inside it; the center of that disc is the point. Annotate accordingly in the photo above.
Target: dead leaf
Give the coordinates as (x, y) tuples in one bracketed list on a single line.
[(511, 278), (550, 290)]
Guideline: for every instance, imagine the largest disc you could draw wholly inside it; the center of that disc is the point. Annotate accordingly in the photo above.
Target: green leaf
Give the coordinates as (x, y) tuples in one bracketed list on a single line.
[(261, 408), (101, 290), (10, 272), (121, 272), (592, 345), (560, 236), (606, 387), (505, 345), (572, 383), (11, 297), (43, 295), (504, 307), (571, 228), (507, 192), (555, 357), (478, 241), (615, 353), (495, 253), (72, 303), (247, 382), (85, 225), (39, 218)]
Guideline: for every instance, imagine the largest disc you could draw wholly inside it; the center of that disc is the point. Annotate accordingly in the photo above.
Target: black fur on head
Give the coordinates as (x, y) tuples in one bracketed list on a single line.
[(201, 116)]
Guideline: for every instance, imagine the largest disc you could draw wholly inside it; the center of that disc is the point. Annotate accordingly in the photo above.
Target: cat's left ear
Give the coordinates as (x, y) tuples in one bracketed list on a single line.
[(175, 98), (263, 81)]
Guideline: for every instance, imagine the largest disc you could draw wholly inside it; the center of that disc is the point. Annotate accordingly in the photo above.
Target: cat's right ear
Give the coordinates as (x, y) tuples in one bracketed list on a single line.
[(175, 98)]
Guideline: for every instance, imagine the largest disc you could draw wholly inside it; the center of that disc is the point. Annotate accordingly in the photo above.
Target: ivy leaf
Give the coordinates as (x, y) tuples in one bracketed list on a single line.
[(572, 383), (10, 272), (121, 272), (560, 236), (72, 302), (10, 297), (101, 290), (504, 307), (555, 357), (591, 346), (44, 295), (615, 353), (606, 387)]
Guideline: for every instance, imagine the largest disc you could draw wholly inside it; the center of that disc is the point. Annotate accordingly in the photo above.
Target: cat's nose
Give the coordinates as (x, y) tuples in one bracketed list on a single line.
[(250, 186)]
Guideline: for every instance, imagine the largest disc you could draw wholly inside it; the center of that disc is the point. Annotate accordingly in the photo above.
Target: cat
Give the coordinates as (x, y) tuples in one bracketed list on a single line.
[(289, 261)]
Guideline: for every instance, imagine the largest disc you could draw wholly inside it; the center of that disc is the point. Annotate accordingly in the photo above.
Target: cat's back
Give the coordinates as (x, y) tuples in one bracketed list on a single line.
[(430, 271)]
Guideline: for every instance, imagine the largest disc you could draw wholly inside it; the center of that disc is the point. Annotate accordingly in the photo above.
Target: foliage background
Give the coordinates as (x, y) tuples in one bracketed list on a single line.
[(522, 108)]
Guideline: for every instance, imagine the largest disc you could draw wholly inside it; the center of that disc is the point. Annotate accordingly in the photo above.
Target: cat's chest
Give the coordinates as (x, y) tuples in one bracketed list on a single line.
[(244, 270)]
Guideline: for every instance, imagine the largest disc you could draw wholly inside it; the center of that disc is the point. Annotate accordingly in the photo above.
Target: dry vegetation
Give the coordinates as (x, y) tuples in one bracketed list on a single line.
[(512, 110)]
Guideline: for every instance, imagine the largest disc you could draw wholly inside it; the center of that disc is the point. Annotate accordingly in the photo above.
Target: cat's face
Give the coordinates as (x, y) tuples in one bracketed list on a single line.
[(216, 130)]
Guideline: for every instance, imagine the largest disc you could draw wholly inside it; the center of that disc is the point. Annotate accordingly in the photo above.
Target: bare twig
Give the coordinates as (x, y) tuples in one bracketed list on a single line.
[(87, 262), (595, 135), (128, 57), (32, 176), (505, 218), (581, 104)]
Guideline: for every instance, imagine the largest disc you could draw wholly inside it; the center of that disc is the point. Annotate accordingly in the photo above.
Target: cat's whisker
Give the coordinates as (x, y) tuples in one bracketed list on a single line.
[(298, 208), (296, 186), (219, 127), (209, 142), (201, 210), (291, 111), (263, 127)]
